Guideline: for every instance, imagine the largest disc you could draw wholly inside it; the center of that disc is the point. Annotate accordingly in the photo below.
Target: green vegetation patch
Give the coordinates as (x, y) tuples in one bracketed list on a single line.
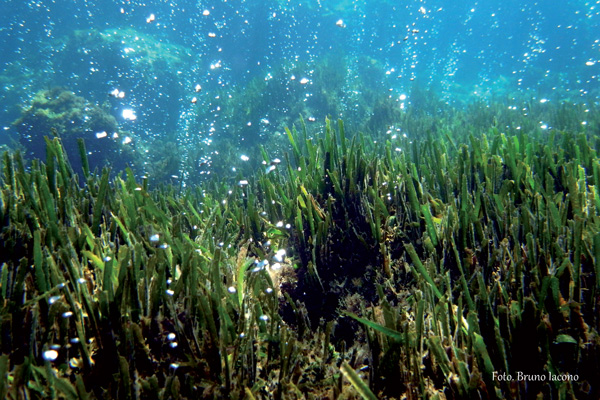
[(428, 268)]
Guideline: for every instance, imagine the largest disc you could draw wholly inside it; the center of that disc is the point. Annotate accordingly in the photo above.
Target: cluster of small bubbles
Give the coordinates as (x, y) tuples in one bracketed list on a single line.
[(280, 255), (276, 266), (260, 265), (117, 93)]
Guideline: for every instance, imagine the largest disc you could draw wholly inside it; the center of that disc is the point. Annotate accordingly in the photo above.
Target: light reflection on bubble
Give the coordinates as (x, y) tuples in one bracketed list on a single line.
[(276, 266), (50, 355), (129, 114), (280, 254)]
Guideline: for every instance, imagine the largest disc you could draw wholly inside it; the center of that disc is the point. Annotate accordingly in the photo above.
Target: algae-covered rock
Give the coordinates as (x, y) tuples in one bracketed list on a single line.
[(71, 117)]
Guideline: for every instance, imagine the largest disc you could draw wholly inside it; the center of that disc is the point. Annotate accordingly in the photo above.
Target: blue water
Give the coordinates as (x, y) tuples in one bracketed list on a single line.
[(157, 52)]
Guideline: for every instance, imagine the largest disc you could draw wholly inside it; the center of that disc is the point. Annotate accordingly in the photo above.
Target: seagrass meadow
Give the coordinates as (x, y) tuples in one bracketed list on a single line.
[(437, 266)]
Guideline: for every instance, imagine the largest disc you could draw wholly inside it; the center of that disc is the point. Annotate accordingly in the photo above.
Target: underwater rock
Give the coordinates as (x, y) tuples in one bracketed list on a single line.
[(71, 117)]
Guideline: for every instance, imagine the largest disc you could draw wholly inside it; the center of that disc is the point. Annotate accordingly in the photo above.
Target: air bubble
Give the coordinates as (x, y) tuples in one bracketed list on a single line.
[(279, 255), (50, 355)]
